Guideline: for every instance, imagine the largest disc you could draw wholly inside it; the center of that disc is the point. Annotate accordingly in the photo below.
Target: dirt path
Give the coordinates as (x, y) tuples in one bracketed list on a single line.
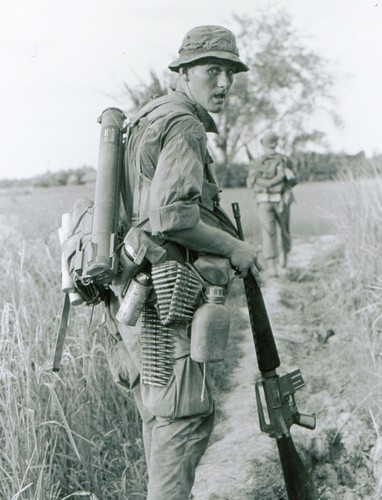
[(227, 471)]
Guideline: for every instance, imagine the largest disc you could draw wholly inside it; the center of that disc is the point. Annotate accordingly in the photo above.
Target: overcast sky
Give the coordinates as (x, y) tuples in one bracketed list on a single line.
[(64, 61)]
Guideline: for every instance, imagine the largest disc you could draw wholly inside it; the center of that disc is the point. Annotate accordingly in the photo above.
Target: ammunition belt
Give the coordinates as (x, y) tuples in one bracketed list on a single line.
[(178, 290), (157, 349)]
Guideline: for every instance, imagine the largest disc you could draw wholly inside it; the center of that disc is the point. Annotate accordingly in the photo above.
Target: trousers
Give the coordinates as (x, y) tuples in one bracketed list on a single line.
[(274, 215), (177, 419)]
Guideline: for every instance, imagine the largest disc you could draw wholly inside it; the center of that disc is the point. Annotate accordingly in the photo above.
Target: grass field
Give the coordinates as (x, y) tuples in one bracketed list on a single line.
[(313, 213), (37, 212), (68, 433)]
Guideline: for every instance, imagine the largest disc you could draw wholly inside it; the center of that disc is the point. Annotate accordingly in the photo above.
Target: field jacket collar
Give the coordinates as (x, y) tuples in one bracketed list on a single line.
[(179, 99)]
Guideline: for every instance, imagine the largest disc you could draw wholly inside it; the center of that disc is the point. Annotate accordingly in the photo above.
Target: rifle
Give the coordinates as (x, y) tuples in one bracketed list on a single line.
[(278, 391)]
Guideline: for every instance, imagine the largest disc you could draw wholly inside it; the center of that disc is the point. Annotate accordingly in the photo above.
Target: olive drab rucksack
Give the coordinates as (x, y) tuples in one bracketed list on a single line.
[(269, 166), (93, 233)]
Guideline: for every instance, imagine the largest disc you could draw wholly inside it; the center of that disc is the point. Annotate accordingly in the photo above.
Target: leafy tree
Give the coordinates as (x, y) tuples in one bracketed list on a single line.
[(141, 94), (286, 84)]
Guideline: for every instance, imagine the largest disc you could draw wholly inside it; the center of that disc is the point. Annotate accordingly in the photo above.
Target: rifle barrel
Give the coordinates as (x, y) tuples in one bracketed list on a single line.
[(265, 345), (266, 350)]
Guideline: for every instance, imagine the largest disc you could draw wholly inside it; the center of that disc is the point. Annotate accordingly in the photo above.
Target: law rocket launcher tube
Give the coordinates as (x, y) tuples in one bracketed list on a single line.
[(102, 261)]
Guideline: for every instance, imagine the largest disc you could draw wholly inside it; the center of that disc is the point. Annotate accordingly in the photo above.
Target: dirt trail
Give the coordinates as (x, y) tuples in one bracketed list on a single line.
[(227, 470)]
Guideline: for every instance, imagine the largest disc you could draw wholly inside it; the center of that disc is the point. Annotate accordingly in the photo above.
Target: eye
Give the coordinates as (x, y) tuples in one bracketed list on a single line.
[(214, 70), (230, 72)]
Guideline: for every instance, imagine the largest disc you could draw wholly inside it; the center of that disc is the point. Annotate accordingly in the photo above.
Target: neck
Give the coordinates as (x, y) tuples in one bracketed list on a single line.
[(182, 86)]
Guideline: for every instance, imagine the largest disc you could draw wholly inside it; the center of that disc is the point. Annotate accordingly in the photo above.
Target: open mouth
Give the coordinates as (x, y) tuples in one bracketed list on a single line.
[(220, 96)]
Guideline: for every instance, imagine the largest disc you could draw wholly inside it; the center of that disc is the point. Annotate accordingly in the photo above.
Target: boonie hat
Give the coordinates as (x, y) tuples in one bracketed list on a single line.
[(209, 41), (270, 139)]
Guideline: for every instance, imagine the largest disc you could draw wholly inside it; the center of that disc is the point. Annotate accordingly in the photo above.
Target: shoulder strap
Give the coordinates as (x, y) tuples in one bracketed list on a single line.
[(61, 334), (159, 108), (218, 218), (162, 106)]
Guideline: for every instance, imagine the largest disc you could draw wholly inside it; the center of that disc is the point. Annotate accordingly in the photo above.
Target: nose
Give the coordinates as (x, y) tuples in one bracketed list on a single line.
[(224, 80)]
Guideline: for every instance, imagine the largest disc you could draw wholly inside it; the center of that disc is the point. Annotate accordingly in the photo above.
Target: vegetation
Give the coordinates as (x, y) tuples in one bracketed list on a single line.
[(67, 433), (344, 319), (73, 433), (67, 177), (286, 84), (60, 433), (312, 167)]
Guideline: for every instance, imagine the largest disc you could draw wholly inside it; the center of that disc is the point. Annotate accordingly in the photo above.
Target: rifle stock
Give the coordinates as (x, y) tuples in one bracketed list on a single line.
[(298, 483), (277, 391)]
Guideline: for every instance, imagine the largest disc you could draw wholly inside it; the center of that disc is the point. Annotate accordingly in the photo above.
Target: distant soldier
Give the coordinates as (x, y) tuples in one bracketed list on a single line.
[(272, 178)]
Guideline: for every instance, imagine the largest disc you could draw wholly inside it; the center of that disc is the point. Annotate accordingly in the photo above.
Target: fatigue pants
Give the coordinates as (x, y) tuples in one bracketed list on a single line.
[(177, 419), (273, 215)]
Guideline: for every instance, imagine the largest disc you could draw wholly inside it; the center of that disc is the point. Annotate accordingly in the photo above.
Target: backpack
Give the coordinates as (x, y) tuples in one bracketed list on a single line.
[(93, 234), (89, 233), (268, 167)]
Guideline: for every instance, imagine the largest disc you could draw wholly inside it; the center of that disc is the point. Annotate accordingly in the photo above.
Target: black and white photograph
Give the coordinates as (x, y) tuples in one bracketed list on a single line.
[(191, 250)]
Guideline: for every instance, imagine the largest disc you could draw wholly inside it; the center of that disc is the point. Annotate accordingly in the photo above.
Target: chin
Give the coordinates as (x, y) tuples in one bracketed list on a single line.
[(216, 108)]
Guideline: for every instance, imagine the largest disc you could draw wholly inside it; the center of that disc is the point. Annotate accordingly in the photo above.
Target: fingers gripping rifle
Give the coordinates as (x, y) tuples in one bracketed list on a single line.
[(278, 391)]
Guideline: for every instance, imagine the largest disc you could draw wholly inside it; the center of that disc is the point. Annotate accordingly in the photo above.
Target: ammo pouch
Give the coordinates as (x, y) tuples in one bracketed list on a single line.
[(181, 288), (214, 269), (75, 236), (138, 251)]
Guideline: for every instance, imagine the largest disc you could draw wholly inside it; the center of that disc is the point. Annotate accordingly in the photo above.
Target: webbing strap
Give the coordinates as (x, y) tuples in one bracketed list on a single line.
[(138, 181), (61, 334)]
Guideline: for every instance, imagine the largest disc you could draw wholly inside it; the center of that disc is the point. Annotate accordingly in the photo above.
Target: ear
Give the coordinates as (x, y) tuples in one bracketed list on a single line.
[(183, 73)]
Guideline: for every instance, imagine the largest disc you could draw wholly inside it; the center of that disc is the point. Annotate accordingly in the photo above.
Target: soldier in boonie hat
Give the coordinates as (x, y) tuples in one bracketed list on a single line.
[(209, 41), (178, 202)]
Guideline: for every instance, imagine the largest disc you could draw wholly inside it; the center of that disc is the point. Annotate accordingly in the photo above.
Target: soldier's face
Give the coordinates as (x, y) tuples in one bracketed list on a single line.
[(209, 83)]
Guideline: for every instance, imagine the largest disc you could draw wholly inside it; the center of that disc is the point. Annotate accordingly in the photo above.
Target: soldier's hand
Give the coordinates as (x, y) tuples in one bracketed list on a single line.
[(244, 259)]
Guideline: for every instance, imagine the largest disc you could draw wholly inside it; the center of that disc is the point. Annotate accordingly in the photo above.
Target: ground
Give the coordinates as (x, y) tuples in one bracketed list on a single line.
[(241, 462)]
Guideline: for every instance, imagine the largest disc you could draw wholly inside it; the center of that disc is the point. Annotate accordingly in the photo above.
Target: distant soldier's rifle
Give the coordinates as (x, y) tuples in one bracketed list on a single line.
[(278, 391)]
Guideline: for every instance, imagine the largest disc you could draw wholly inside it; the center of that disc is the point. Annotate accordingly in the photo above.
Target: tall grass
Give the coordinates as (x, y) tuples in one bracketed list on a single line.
[(360, 227), (64, 434), (359, 298), (72, 433)]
